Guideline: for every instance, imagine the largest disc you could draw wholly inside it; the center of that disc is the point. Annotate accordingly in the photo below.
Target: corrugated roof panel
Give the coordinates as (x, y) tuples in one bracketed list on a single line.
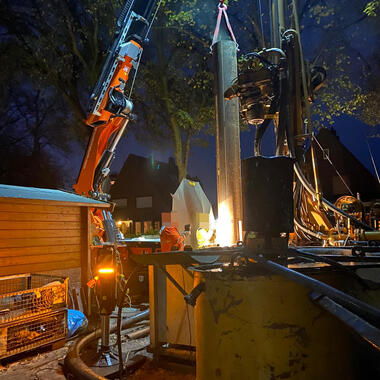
[(8, 191)]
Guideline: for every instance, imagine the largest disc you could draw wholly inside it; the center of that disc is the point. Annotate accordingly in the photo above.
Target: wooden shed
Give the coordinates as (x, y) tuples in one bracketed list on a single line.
[(45, 230)]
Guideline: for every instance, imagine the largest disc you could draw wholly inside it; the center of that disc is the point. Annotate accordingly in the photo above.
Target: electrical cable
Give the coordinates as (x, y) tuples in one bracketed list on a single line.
[(275, 50), (373, 161), (261, 58), (135, 75), (151, 23), (123, 291), (118, 332), (317, 235), (308, 187), (260, 130)]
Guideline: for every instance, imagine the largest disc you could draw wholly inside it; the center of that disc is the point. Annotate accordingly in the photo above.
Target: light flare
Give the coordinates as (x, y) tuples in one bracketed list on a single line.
[(224, 226), (106, 270)]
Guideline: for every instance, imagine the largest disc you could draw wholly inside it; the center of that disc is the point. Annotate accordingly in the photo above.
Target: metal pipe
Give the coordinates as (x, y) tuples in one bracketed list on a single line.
[(362, 309), (227, 134), (105, 326), (274, 24), (118, 136), (139, 333), (281, 17), (331, 262), (271, 29), (366, 331), (103, 167)]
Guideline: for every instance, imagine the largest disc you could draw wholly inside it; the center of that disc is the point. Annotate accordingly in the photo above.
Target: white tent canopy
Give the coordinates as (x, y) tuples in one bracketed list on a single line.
[(191, 206)]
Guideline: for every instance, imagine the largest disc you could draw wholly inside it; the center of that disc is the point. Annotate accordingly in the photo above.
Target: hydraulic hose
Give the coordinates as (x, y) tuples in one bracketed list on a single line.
[(308, 187), (362, 309), (74, 365), (317, 235), (260, 130)]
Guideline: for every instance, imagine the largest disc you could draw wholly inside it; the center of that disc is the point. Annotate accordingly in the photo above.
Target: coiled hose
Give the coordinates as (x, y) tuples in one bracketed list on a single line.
[(75, 368)]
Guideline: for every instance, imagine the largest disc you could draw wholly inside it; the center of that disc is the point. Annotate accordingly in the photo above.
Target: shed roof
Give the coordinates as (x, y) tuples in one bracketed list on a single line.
[(20, 192)]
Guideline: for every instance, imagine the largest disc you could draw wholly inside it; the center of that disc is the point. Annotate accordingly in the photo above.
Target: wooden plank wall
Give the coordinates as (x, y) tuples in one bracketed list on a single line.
[(40, 236)]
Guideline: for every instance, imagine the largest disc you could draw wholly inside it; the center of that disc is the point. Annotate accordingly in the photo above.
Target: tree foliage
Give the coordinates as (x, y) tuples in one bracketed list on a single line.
[(372, 8), (342, 33), (53, 48), (59, 43), (30, 129), (175, 83)]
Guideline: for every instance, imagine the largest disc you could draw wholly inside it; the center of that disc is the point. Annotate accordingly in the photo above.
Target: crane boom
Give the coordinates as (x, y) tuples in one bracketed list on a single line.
[(110, 108)]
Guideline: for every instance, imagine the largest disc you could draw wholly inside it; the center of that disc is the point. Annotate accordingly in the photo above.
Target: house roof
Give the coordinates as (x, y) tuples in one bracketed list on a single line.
[(145, 175), (329, 135), (20, 192), (357, 176)]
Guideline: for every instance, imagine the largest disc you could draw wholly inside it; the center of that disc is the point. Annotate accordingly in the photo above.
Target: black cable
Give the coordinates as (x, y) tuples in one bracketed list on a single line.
[(261, 58), (118, 331), (187, 306), (260, 130)]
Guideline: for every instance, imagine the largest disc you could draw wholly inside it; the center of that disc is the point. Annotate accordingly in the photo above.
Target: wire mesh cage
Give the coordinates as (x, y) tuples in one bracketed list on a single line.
[(23, 335), (28, 295)]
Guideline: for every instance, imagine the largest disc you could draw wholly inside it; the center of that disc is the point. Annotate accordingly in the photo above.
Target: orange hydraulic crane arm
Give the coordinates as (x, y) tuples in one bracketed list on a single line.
[(98, 143), (110, 107)]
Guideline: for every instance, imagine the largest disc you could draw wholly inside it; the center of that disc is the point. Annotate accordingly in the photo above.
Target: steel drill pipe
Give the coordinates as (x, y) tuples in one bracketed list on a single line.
[(142, 333), (362, 309), (74, 365), (227, 132)]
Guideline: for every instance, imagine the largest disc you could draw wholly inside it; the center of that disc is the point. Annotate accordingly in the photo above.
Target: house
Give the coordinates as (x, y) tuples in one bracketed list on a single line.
[(142, 192), (354, 174)]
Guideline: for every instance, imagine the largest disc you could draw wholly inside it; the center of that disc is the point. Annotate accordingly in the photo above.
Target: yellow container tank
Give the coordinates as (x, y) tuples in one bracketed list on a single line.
[(265, 327)]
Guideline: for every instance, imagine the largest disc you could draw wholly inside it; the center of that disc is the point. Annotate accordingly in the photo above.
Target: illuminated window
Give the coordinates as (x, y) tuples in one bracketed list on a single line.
[(138, 228), (147, 226)]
